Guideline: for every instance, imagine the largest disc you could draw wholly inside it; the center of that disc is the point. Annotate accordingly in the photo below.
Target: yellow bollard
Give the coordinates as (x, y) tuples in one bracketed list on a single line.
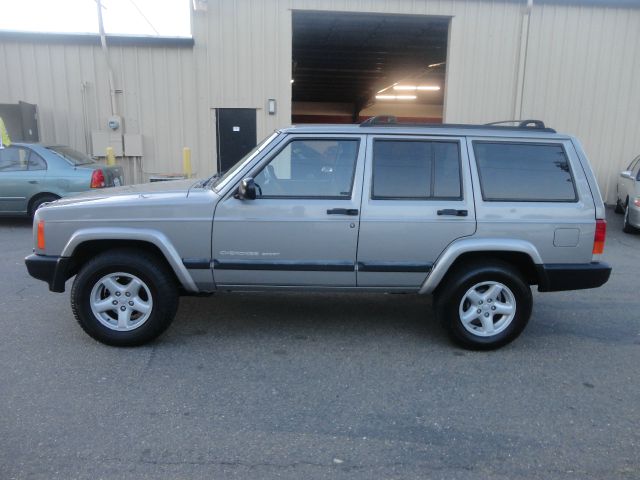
[(186, 161), (111, 158)]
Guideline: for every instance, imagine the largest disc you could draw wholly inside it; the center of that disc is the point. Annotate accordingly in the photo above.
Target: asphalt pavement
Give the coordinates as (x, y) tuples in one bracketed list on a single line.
[(306, 386)]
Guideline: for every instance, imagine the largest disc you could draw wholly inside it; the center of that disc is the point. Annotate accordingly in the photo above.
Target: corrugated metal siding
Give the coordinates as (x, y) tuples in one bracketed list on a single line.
[(582, 72), (159, 98), (581, 63)]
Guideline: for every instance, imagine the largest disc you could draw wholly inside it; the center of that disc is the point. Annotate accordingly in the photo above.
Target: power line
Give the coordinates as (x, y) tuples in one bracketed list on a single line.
[(144, 16)]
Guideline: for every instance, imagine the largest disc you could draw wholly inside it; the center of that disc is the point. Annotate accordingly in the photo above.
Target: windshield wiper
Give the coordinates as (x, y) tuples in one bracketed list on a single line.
[(213, 177)]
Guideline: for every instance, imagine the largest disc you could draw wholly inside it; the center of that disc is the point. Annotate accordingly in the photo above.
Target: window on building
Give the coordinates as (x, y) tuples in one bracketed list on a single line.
[(524, 172), (416, 169)]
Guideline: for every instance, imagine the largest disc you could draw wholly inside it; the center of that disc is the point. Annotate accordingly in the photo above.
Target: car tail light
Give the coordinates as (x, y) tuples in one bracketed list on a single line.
[(636, 202), (41, 235), (97, 179), (598, 238)]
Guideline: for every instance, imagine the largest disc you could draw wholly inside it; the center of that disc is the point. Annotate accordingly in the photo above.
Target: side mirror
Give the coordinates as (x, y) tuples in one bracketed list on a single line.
[(246, 190), (626, 174)]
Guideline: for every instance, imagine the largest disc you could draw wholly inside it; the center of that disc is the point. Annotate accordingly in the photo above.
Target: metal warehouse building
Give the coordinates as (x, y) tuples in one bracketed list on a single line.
[(255, 65)]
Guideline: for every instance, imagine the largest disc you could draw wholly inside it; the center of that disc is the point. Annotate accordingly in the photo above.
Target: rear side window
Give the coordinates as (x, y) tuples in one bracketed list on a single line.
[(524, 172), (412, 169)]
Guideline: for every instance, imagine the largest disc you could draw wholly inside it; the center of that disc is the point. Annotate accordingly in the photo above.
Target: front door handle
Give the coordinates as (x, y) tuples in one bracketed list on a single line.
[(453, 212), (343, 211), (33, 182)]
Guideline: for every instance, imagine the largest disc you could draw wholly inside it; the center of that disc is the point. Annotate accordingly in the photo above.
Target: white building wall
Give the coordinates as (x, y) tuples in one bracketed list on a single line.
[(578, 72)]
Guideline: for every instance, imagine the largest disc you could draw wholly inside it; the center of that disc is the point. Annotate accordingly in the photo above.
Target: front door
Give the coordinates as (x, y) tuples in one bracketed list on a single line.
[(235, 134), (417, 199), (302, 229)]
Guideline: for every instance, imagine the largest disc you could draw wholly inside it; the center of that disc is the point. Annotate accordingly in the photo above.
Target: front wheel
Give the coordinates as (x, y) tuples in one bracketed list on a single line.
[(484, 306), (124, 297)]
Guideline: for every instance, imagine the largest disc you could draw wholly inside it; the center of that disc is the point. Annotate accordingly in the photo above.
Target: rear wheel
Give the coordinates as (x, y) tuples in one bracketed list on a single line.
[(124, 297), (38, 201), (484, 305)]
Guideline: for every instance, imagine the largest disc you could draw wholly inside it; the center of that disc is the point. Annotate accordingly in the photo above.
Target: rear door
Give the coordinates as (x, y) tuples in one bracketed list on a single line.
[(22, 175), (417, 199)]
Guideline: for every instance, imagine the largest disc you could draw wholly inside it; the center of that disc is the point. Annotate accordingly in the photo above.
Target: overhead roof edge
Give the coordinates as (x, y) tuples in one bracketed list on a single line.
[(94, 39)]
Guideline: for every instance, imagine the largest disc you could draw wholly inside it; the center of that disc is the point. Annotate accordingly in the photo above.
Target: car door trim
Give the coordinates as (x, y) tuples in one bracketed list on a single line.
[(393, 267), (285, 265)]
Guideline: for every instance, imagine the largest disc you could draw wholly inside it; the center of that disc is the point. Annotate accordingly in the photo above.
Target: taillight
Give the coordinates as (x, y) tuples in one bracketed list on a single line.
[(598, 238), (636, 201), (97, 179), (41, 235)]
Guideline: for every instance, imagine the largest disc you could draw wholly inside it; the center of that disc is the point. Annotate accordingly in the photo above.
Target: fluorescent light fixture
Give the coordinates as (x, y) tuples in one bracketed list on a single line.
[(292, 80), (396, 97), (435, 64), (413, 88)]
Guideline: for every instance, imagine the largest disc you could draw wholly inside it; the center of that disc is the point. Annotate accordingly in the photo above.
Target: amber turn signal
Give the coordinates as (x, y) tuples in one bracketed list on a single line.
[(41, 235)]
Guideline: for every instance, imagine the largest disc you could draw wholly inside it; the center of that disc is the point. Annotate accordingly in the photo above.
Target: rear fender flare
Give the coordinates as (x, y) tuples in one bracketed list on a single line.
[(467, 245)]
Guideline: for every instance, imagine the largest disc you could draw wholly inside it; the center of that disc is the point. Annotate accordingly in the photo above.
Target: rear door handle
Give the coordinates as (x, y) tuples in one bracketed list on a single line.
[(33, 182), (343, 211), (453, 212)]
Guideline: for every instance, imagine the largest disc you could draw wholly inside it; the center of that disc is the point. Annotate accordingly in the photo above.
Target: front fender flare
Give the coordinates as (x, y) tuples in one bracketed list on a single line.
[(154, 237)]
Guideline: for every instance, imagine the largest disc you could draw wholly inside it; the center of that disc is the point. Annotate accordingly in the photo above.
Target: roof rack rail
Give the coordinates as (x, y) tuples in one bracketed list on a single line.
[(379, 120), (391, 121), (520, 123)]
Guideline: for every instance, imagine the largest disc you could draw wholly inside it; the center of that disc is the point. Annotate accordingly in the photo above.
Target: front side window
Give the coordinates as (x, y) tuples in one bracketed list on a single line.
[(416, 169), (310, 168), (13, 159), (524, 172)]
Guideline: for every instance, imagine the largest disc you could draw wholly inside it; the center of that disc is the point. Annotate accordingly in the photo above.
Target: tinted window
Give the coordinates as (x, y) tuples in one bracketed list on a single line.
[(73, 156), (524, 172), (310, 168), (13, 158), (36, 162), (415, 169)]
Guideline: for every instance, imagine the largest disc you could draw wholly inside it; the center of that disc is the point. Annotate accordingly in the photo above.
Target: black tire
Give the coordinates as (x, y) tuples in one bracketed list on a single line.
[(39, 200), (156, 279), (626, 226), (619, 208), (452, 292)]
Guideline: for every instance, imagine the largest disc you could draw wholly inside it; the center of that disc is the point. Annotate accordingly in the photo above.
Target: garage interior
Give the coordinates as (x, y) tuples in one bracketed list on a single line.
[(348, 67)]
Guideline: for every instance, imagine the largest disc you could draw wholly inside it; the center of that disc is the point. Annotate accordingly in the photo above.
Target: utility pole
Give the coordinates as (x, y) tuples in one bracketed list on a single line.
[(105, 51)]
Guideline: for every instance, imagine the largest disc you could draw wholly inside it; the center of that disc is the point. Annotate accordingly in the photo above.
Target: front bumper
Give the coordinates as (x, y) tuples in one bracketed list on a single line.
[(53, 270), (567, 276)]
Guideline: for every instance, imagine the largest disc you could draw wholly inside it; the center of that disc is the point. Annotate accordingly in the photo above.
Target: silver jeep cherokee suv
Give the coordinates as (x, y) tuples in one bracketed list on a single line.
[(473, 215)]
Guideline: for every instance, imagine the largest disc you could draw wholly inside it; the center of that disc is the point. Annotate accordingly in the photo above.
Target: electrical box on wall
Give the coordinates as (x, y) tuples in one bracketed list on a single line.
[(101, 140), (133, 145)]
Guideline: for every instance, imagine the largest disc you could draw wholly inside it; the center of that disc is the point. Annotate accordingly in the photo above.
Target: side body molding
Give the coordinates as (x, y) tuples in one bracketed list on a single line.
[(466, 245), (155, 237)]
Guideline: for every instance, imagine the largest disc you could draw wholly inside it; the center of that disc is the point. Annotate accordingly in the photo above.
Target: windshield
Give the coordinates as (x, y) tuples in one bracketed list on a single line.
[(70, 155), (221, 181)]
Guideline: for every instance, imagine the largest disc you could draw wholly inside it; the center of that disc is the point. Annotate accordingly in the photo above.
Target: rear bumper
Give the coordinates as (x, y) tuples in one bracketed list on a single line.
[(53, 270), (561, 276)]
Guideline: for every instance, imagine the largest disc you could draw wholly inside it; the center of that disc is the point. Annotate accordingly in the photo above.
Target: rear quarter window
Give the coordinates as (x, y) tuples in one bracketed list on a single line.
[(524, 172)]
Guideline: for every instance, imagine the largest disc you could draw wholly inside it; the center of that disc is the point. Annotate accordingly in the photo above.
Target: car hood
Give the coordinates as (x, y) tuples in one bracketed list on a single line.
[(173, 187)]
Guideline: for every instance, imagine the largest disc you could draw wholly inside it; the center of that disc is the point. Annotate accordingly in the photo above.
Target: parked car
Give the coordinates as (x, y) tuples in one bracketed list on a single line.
[(474, 215), (33, 174), (628, 196)]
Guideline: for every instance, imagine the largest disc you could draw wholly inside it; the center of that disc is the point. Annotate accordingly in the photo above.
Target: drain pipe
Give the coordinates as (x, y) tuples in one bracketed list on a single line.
[(522, 60), (105, 51)]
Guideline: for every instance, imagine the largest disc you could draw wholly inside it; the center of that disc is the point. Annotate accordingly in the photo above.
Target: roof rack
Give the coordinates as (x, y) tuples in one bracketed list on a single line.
[(391, 121), (520, 123)]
